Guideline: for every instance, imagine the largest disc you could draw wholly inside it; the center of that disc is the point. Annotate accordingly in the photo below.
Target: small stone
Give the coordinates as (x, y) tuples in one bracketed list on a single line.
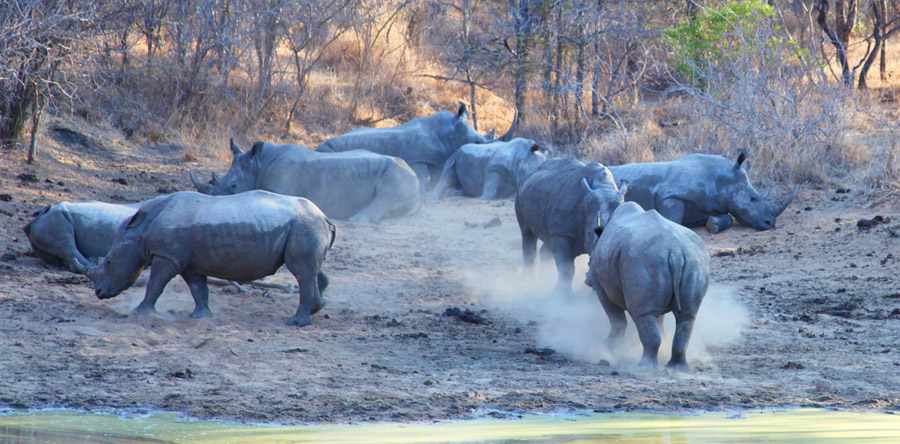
[(28, 177), (120, 180), (6, 197), (824, 386), (8, 257)]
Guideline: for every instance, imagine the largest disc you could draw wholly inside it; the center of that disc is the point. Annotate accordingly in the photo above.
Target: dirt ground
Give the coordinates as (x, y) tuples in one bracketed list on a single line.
[(802, 315)]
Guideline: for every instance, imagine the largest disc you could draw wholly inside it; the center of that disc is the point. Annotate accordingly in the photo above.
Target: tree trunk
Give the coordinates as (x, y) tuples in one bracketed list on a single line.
[(839, 37), (522, 22), (878, 36), (37, 108)]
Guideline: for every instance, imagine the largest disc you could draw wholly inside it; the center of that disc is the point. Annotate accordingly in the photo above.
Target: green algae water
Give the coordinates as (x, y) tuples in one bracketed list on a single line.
[(790, 426)]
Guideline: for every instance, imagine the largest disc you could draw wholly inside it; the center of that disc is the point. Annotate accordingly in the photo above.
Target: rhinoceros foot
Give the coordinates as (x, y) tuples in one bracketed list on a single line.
[(201, 312), (299, 320), (680, 366), (319, 305), (144, 310)]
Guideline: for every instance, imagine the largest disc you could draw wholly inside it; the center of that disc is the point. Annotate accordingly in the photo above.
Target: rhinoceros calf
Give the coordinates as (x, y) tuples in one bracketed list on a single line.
[(701, 189), (648, 266), (425, 143), (560, 204), (72, 233), (240, 238), (356, 185), (490, 170)]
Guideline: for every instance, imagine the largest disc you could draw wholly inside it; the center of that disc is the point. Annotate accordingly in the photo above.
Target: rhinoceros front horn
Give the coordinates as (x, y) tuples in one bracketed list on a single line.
[(512, 128), (203, 188), (787, 201)]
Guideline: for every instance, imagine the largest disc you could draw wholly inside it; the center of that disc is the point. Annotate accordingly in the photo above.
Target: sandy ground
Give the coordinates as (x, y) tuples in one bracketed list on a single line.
[(802, 315)]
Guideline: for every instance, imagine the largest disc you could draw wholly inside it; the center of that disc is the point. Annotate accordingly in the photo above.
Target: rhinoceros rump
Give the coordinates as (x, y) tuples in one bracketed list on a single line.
[(560, 204), (425, 143), (648, 266), (355, 185), (241, 238), (698, 187), (490, 170)]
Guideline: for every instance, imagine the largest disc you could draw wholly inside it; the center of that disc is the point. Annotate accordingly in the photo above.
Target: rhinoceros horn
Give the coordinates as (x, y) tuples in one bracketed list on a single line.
[(234, 148), (216, 180), (512, 128), (787, 201), (88, 270), (203, 188)]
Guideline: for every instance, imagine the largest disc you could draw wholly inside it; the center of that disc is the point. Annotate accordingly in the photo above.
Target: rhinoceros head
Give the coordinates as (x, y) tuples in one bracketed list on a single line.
[(532, 157), (241, 177), (123, 264), (601, 198), (747, 205), (455, 130)]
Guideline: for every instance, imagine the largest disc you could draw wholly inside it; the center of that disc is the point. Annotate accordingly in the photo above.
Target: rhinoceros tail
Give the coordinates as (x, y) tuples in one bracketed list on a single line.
[(676, 267), (37, 216), (333, 229)]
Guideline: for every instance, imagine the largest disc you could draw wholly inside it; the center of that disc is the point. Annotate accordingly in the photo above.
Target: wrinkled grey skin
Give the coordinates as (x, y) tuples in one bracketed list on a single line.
[(74, 233), (648, 266), (697, 187), (425, 143), (560, 204), (240, 238), (356, 185), (490, 170)]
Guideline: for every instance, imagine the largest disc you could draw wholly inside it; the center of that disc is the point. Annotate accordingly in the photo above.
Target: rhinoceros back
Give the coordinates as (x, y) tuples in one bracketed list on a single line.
[(549, 201)]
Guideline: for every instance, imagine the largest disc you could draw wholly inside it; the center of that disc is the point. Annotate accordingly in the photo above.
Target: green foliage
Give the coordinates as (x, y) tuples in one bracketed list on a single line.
[(739, 35)]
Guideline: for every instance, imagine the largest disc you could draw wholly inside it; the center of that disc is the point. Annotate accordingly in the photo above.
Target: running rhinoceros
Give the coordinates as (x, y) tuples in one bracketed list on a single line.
[(356, 185), (648, 266), (490, 170), (425, 143), (701, 189), (72, 233), (560, 204), (242, 237)]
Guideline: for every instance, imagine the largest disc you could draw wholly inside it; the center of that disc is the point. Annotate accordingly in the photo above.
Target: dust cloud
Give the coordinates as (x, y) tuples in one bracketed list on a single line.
[(577, 326)]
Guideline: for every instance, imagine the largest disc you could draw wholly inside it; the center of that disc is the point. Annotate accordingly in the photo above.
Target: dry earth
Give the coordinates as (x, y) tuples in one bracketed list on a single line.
[(803, 315)]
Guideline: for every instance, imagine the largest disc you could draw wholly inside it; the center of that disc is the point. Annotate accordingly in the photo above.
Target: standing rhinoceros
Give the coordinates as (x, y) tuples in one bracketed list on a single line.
[(242, 237), (425, 143), (490, 170), (356, 185), (701, 189), (74, 232), (648, 266), (560, 204)]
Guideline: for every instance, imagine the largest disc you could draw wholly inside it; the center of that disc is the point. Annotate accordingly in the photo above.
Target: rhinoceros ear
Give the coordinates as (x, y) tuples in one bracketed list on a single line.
[(461, 113), (623, 188), (742, 156), (257, 149), (234, 148), (585, 185), (137, 219), (535, 148), (598, 231)]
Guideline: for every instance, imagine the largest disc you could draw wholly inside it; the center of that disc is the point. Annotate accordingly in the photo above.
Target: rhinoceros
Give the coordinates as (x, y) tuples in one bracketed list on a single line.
[(242, 237), (425, 143), (356, 185), (72, 233), (490, 170), (560, 204), (648, 265), (701, 189)]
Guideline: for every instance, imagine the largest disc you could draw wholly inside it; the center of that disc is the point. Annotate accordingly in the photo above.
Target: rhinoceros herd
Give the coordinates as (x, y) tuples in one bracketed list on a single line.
[(273, 206)]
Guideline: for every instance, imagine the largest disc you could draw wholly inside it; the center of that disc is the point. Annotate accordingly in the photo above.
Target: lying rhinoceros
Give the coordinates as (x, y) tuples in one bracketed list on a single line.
[(560, 204), (425, 143), (356, 185), (648, 266), (701, 189), (242, 237), (490, 170), (73, 233)]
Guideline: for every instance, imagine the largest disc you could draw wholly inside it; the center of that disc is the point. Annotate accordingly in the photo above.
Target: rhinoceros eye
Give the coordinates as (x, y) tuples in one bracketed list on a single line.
[(753, 199)]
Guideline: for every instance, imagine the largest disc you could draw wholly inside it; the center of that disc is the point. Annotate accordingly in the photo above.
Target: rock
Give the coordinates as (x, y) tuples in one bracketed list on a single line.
[(120, 180), (792, 366), (865, 224), (465, 316), (542, 352), (824, 386), (495, 222), (6, 197), (28, 177), (8, 257)]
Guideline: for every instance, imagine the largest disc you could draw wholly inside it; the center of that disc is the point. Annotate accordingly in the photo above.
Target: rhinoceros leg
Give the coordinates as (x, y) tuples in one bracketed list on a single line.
[(200, 291), (448, 180), (305, 265), (529, 247), (491, 184), (395, 195), (672, 209), (422, 173), (616, 315), (650, 339), (162, 271), (563, 254), (715, 224), (546, 254), (684, 325)]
